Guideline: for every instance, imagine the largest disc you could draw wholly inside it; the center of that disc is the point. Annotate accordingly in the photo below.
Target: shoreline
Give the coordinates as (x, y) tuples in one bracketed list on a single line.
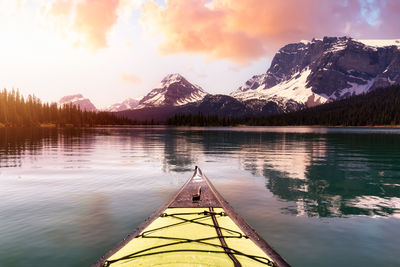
[(52, 126)]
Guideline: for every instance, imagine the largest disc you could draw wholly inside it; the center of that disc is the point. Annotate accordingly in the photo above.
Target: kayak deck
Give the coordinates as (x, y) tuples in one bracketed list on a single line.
[(187, 235), (196, 228)]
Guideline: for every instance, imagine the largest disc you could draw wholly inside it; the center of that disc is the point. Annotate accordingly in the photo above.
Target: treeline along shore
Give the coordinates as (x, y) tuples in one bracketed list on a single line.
[(380, 107), (16, 111)]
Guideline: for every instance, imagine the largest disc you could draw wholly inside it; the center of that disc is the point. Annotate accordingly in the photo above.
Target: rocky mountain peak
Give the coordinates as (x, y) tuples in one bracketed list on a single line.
[(71, 98), (174, 90), (127, 104), (78, 100), (172, 78), (321, 70)]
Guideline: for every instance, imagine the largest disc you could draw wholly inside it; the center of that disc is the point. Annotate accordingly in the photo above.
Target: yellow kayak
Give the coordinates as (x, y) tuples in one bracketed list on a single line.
[(197, 227)]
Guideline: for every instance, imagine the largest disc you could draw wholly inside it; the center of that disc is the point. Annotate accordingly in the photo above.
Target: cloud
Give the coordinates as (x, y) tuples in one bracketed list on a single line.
[(389, 22), (243, 31), (240, 31), (89, 22), (131, 79), (94, 19), (61, 8), (126, 7)]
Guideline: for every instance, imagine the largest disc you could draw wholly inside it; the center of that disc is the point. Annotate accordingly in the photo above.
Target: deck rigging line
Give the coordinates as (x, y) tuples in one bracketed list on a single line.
[(229, 251)]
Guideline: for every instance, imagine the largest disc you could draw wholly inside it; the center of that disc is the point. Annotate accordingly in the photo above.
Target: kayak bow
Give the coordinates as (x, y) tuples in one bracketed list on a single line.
[(197, 227)]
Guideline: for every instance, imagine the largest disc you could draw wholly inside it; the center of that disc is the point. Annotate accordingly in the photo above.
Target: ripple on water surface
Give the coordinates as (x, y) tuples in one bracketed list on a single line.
[(319, 196)]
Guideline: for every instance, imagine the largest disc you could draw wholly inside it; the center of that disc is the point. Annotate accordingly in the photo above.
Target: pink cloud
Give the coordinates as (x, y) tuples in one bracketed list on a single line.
[(246, 30), (131, 79), (389, 24), (241, 31), (61, 8), (92, 20)]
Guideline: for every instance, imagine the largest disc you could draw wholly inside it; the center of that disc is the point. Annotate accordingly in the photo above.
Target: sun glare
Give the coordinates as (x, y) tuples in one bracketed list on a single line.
[(27, 34)]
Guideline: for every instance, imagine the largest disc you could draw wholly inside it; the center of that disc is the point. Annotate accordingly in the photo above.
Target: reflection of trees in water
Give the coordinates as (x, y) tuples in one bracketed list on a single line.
[(320, 174), (16, 143), (175, 150), (78, 142), (359, 175), (181, 150), (323, 174)]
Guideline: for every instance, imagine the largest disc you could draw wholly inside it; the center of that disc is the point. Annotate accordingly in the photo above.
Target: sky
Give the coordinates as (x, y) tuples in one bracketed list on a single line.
[(110, 50)]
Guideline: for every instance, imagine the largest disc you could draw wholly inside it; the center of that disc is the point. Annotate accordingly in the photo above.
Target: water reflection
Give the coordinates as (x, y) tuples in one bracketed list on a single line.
[(350, 175), (318, 172)]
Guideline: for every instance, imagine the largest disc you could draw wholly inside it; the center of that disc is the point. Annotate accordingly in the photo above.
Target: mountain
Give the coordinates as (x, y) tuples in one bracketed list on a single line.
[(221, 105), (78, 100), (129, 103), (377, 107), (310, 73), (174, 90), (227, 106), (304, 74)]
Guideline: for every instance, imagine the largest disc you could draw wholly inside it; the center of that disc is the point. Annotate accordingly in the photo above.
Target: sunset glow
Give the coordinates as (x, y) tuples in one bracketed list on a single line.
[(110, 50), (122, 114)]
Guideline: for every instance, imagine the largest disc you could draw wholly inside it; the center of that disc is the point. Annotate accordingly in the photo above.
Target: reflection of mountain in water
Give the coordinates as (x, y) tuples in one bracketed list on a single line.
[(354, 175), (322, 174), (319, 174)]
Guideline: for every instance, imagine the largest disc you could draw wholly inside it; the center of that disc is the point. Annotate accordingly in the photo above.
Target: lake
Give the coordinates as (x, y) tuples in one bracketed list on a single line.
[(319, 196)]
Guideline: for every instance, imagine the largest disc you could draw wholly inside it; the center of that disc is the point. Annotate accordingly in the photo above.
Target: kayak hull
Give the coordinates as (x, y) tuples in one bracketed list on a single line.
[(197, 227)]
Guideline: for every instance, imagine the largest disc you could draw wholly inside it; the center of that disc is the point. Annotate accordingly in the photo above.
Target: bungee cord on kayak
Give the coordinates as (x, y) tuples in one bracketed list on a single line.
[(197, 227), (197, 220)]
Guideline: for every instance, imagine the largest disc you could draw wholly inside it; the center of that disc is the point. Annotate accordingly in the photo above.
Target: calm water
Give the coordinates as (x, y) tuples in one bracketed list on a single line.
[(321, 197)]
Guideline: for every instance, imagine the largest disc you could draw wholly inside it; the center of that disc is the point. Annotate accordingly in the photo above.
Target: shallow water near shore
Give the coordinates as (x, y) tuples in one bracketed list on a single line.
[(319, 196)]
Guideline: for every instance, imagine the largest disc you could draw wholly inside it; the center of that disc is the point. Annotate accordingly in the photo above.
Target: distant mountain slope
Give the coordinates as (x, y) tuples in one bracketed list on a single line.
[(78, 100), (129, 103), (301, 75), (174, 90), (378, 107), (221, 105), (318, 71)]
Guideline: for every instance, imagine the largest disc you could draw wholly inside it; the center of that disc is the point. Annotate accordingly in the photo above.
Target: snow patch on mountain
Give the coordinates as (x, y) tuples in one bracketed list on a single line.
[(170, 79), (381, 43), (321, 70), (294, 88), (78, 100), (353, 89), (174, 90), (154, 98), (129, 103), (71, 98)]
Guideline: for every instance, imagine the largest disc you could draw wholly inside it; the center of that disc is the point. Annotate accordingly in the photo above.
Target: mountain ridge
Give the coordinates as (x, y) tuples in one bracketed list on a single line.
[(174, 90), (303, 74), (129, 103), (78, 100), (323, 70), (355, 111)]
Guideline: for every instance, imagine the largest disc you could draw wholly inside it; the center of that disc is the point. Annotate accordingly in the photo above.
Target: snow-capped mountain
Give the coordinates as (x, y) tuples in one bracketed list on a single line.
[(129, 103), (78, 100), (174, 90), (314, 72)]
